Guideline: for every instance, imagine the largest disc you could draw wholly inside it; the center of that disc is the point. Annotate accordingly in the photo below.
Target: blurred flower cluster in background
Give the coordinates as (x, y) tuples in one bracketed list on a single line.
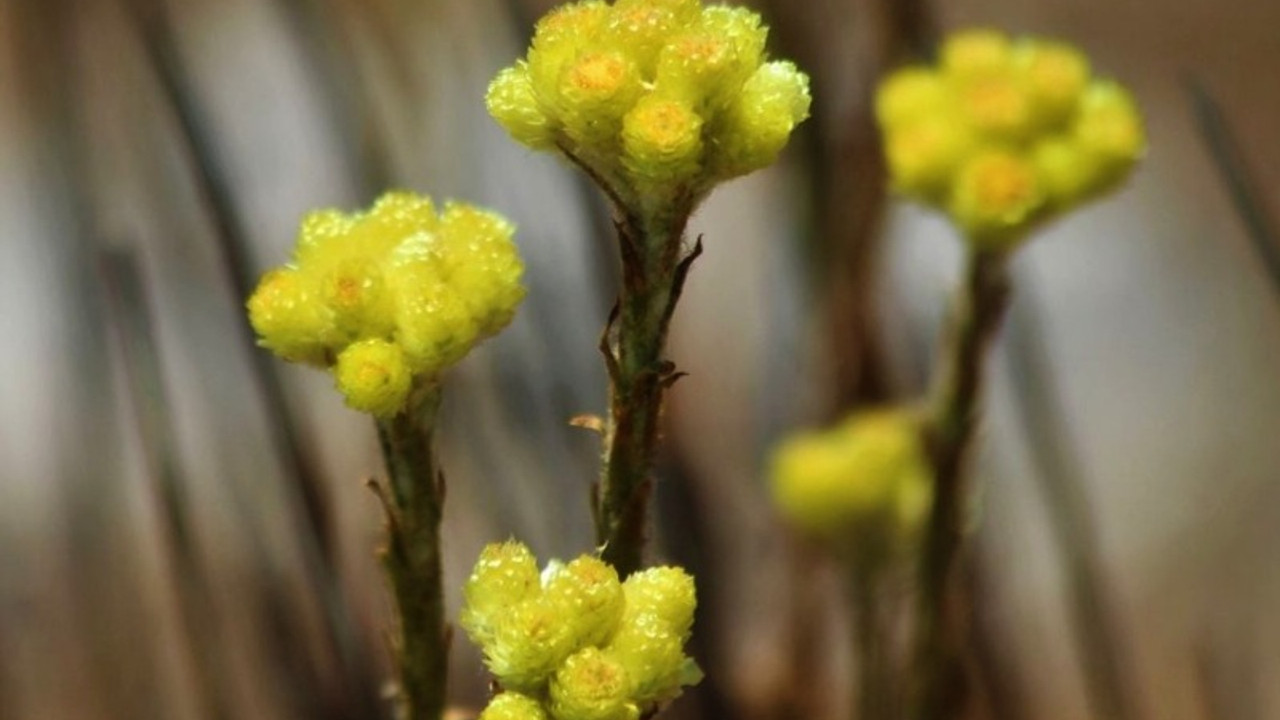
[(184, 527)]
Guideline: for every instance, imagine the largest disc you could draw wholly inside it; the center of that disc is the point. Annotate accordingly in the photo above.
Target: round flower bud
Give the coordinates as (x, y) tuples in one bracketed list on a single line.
[(759, 122), (996, 105), (529, 641), (653, 658), (317, 229), (356, 294), (434, 326), (589, 597), (512, 103), (1055, 76), (708, 64), (1110, 127), (910, 94), (513, 706), (591, 685), (395, 216), (373, 377), (642, 27), (595, 92), (996, 198), (662, 141), (666, 593), (558, 39), (291, 321), (923, 155), (505, 575), (971, 53), (480, 262), (1069, 173)]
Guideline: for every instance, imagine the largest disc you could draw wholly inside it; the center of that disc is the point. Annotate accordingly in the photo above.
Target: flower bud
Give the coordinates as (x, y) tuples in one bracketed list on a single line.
[(595, 92), (1055, 75), (667, 594), (512, 103), (910, 94), (589, 596), (1070, 173), (971, 53), (996, 198), (355, 292), (644, 26), (1110, 127), (320, 228), (996, 105), (759, 122), (513, 706), (290, 319), (434, 326), (558, 39), (530, 640), (505, 575), (923, 156), (662, 141), (591, 685), (653, 658), (373, 377)]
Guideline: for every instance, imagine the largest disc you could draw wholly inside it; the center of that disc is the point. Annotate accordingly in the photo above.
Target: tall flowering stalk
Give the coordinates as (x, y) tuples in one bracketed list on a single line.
[(1002, 136), (386, 300), (658, 101), (863, 490)]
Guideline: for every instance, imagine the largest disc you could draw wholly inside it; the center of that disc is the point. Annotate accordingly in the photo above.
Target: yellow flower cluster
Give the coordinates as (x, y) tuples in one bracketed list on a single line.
[(574, 643), (660, 99), (867, 480), (1004, 134), (391, 296)]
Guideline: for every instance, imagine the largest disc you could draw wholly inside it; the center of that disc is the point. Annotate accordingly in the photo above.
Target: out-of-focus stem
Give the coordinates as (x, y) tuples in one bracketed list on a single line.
[(874, 680), (940, 651), (413, 502), (653, 275)]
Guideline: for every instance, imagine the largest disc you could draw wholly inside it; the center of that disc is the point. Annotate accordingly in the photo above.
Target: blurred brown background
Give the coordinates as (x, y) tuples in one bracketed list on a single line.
[(162, 556)]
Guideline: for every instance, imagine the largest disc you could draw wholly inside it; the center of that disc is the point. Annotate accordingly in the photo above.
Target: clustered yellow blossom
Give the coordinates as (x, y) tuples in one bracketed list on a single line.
[(574, 643), (863, 483), (389, 297), (659, 99), (1003, 134)]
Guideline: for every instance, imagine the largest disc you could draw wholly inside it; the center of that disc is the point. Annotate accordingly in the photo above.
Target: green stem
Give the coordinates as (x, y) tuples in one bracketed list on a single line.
[(941, 674), (653, 274), (412, 555)]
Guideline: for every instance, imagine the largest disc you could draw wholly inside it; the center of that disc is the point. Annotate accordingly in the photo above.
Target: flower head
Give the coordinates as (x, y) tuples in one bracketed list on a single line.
[(591, 647), (1004, 134), (659, 99), (866, 483), (389, 297)]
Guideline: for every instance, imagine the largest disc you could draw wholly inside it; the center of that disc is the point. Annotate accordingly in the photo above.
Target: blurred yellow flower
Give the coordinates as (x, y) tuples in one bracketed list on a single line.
[(1004, 134)]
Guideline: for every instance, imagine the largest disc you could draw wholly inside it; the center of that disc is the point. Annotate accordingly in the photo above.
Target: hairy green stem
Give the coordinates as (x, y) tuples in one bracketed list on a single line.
[(942, 690), (653, 275), (411, 557)]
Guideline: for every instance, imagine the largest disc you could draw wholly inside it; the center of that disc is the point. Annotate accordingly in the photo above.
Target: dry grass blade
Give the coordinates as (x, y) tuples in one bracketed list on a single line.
[(130, 309), (1105, 660), (1245, 196), (360, 695)]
